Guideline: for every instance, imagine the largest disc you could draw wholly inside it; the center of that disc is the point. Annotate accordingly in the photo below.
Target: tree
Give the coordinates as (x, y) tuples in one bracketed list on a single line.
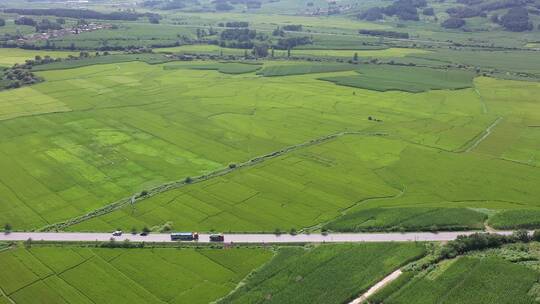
[(355, 57), (516, 20), (133, 230), (28, 243), (260, 50), (7, 228), (453, 23), (146, 230), (154, 20), (2, 22), (428, 11)]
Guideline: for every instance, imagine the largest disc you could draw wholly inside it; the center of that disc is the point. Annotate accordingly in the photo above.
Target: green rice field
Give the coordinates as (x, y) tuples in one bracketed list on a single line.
[(48, 274), (470, 280), (409, 219), (9, 57), (406, 79), (325, 274), (83, 139)]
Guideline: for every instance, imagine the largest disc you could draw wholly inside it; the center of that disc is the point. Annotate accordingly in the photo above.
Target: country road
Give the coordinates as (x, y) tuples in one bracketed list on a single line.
[(244, 238)]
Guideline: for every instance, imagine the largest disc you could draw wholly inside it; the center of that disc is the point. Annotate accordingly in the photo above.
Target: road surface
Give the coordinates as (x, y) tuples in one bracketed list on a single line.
[(243, 238)]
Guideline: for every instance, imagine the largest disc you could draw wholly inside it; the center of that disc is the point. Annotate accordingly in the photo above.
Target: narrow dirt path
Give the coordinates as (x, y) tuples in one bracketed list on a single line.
[(487, 132), (391, 277)]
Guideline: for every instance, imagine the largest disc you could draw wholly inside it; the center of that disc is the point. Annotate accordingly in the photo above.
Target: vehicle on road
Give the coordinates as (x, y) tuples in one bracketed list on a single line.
[(184, 236), (217, 238), (117, 233), (144, 233)]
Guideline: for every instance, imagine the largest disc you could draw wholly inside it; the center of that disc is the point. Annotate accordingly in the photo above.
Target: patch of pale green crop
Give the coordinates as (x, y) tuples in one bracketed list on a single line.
[(158, 275)]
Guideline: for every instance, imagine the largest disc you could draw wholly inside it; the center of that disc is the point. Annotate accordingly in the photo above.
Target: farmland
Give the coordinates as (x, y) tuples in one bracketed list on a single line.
[(325, 274), (151, 275), (503, 275), (9, 57), (119, 129), (414, 219), (395, 78), (298, 121)]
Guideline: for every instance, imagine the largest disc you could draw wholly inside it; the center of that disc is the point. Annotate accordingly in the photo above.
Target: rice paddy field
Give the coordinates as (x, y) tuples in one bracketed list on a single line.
[(10, 56), (503, 275), (324, 274), (50, 274), (87, 138)]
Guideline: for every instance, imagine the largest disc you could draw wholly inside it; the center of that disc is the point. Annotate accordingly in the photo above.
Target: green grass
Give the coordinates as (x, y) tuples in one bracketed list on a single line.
[(323, 274), (153, 275), (409, 219), (222, 67), (516, 219), (408, 79), (470, 280)]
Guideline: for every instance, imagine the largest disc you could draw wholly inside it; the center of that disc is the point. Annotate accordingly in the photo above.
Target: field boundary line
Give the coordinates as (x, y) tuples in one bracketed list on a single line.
[(136, 197), (485, 135), (477, 139), (3, 294)]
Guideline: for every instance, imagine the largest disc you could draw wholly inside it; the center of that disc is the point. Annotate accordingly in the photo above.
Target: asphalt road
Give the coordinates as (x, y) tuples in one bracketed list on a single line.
[(243, 238)]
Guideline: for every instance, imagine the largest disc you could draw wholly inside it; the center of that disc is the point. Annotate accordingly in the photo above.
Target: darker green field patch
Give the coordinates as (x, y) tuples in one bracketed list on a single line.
[(329, 274), (222, 67), (299, 69), (107, 59), (408, 79), (469, 280), (516, 219), (409, 219)]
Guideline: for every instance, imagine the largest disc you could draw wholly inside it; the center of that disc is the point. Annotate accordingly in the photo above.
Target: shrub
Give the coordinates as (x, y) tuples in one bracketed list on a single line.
[(536, 236), (453, 23), (521, 236)]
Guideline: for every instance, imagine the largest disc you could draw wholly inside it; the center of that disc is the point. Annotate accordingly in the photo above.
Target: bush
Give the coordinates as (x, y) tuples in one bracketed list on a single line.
[(536, 236), (7, 228), (521, 236), (453, 23)]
